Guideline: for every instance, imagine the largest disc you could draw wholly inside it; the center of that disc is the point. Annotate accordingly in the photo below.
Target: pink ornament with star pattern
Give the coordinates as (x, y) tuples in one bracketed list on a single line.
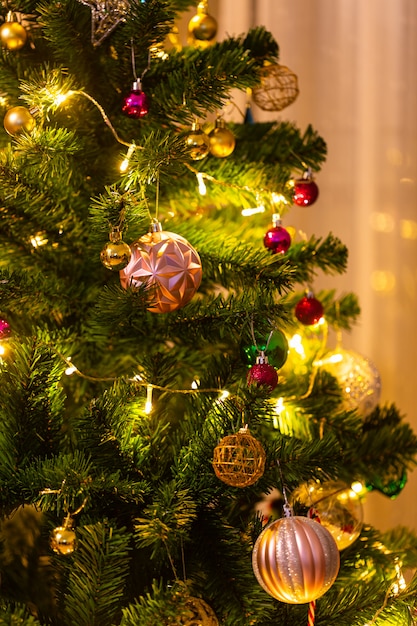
[(168, 265)]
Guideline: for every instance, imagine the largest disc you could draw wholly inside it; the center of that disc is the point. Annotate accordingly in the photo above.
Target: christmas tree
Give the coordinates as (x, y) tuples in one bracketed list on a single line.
[(184, 438)]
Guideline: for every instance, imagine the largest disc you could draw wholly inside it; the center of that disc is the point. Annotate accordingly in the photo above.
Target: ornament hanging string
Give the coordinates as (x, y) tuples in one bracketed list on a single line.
[(286, 506), (254, 339), (311, 613), (132, 52)]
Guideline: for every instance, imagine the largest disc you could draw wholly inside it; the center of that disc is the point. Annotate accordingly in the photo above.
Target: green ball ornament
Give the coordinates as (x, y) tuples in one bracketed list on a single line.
[(391, 487), (276, 349)]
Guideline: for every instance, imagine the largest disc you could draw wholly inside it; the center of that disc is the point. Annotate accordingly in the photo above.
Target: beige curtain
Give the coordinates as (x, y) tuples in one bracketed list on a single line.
[(356, 61)]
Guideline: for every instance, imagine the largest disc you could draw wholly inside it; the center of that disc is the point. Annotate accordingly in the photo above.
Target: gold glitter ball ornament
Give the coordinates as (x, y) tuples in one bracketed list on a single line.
[(116, 253), (278, 88), (17, 120), (198, 613), (168, 265), (222, 140), (239, 459), (63, 540), (358, 378), (13, 35), (335, 505), (295, 560)]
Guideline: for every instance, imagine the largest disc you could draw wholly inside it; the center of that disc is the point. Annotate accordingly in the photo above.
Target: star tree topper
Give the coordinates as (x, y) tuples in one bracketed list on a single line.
[(105, 16)]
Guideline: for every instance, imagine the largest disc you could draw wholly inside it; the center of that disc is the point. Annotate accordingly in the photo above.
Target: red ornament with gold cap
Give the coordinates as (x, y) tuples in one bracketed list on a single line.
[(167, 264)]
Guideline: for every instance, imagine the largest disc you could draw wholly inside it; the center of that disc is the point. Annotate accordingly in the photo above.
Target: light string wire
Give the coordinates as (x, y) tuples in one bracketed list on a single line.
[(136, 380), (204, 175)]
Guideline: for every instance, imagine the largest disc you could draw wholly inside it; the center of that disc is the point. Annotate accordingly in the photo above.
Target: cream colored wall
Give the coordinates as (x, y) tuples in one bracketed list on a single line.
[(357, 66)]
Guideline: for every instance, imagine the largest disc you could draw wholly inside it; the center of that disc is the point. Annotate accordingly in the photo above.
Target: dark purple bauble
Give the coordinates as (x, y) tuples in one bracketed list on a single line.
[(305, 192), (309, 310), (263, 374), (136, 104), (277, 239)]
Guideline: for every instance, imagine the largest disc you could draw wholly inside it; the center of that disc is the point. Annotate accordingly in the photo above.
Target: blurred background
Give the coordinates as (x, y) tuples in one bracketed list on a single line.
[(356, 64)]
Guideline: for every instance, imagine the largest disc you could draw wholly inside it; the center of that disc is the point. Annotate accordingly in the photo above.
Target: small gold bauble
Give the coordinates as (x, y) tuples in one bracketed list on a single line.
[(222, 141), (12, 35), (239, 460), (17, 120), (198, 613), (63, 540), (295, 559), (202, 26), (116, 253), (197, 142)]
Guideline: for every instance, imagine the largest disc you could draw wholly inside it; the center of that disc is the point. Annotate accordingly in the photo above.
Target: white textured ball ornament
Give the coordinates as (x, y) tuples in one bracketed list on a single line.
[(168, 265), (357, 376), (295, 559)]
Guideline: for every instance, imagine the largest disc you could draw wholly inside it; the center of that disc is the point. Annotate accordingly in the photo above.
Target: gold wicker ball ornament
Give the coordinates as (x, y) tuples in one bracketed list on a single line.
[(278, 88), (168, 265), (239, 459), (295, 559)]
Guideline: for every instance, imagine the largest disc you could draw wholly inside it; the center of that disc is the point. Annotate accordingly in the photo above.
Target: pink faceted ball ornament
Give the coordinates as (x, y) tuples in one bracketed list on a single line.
[(168, 265), (295, 559), (136, 103), (277, 239), (309, 310), (262, 374)]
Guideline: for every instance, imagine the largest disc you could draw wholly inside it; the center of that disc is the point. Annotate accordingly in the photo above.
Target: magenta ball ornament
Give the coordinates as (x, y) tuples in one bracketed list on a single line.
[(136, 103)]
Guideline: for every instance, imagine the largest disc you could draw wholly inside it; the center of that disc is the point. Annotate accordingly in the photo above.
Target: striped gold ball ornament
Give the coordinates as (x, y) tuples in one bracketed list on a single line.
[(295, 559)]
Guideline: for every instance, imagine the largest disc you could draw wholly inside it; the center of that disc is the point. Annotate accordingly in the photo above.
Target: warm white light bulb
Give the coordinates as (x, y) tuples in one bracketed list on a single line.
[(252, 211), (148, 404), (201, 184)]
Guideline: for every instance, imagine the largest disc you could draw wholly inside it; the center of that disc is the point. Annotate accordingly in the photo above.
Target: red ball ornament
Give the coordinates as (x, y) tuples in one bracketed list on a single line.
[(305, 191), (136, 104), (262, 374), (168, 265), (309, 310), (295, 559), (277, 239)]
